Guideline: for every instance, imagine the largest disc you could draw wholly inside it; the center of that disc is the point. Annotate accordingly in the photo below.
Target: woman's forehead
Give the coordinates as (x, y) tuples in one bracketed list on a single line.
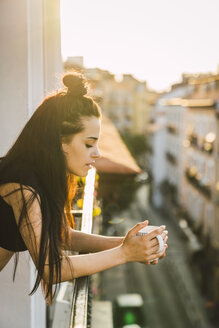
[(91, 128)]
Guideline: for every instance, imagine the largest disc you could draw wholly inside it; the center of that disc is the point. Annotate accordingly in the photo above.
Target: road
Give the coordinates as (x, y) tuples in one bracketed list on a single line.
[(170, 292)]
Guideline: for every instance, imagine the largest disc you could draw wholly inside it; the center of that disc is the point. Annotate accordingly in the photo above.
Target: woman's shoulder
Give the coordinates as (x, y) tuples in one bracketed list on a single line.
[(15, 193), (24, 201), (20, 174), (11, 187)]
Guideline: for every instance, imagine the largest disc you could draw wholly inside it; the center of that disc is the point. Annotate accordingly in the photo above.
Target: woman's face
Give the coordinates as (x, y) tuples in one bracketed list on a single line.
[(82, 151)]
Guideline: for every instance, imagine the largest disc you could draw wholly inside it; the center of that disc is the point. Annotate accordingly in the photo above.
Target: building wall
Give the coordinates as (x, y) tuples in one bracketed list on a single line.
[(197, 171), (163, 141), (13, 61), (126, 102), (174, 147), (30, 60), (201, 207)]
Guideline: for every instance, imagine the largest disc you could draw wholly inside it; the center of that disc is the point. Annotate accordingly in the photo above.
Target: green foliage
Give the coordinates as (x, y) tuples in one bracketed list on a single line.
[(137, 145)]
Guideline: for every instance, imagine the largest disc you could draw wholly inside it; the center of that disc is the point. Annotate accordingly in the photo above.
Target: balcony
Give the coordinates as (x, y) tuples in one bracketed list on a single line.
[(172, 129), (205, 145), (194, 178), (171, 158), (72, 306)]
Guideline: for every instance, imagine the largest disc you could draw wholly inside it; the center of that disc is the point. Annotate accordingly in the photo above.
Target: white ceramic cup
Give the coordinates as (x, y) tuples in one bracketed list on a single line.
[(146, 230)]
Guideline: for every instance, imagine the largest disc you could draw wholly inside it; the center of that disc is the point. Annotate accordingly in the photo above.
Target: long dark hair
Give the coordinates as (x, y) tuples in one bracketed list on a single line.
[(38, 150)]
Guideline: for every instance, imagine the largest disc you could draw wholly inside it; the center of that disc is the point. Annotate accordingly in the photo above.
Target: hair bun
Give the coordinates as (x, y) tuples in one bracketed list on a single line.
[(75, 83)]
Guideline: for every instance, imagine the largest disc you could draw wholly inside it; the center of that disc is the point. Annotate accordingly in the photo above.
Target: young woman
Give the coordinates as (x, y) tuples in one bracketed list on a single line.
[(38, 183)]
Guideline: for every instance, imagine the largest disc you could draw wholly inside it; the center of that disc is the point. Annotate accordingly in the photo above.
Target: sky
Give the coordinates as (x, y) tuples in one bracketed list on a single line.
[(154, 40)]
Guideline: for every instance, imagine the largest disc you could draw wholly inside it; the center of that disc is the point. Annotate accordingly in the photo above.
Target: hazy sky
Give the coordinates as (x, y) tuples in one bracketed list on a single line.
[(155, 40)]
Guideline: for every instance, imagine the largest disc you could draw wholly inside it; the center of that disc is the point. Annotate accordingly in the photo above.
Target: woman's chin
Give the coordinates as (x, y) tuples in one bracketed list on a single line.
[(80, 173)]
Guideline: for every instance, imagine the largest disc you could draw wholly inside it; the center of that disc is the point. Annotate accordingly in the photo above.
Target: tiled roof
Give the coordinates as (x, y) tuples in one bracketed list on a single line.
[(115, 156)]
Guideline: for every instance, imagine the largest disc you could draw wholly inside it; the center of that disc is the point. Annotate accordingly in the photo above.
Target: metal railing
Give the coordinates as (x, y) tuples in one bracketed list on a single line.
[(73, 306), (80, 311)]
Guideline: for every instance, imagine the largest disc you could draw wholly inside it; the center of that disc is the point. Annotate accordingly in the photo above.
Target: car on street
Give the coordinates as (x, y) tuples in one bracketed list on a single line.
[(128, 311)]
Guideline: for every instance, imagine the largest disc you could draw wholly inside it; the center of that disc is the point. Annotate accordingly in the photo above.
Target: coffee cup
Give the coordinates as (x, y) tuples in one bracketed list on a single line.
[(146, 230)]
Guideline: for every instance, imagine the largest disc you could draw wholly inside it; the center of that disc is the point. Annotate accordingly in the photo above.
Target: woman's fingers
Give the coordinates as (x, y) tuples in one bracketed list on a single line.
[(144, 248), (154, 262), (154, 251), (164, 254), (154, 242), (164, 235), (133, 231), (155, 232), (156, 255)]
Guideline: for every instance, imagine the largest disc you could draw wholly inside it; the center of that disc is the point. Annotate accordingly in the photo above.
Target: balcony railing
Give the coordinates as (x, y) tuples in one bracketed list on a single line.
[(171, 158), (80, 311), (172, 129), (73, 306), (204, 145), (192, 178)]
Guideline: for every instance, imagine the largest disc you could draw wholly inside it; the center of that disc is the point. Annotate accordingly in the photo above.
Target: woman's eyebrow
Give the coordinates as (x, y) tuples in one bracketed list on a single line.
[(93, 138)]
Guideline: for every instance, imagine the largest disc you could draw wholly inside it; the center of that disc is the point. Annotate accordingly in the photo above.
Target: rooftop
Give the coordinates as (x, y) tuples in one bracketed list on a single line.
[(115, 156)]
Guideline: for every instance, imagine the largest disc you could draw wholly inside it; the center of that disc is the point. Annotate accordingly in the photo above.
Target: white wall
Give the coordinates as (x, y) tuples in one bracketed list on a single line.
[(30, 65), (13, 69)]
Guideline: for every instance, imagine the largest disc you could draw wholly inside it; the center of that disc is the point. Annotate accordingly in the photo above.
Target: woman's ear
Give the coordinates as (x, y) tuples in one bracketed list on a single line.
[(66, 140), (64, 147)]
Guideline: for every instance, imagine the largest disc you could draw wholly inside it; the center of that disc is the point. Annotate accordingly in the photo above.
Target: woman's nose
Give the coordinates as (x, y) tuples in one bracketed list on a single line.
[(96, 153)]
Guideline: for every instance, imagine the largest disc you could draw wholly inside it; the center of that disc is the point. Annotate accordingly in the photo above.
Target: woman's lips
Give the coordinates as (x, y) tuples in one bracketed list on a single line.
[(90, 165)]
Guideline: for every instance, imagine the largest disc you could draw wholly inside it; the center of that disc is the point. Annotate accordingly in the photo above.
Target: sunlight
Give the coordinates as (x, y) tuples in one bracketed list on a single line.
[(86, 223), (153, 45)]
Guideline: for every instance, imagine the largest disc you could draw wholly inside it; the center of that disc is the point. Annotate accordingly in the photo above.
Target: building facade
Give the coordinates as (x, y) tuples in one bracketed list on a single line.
[(126, 101), (184, 165), (200, 199), (166, 135)]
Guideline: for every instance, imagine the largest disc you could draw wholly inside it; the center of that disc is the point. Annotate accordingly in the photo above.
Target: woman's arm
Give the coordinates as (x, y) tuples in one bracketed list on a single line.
[(89, 243), (133, 248)]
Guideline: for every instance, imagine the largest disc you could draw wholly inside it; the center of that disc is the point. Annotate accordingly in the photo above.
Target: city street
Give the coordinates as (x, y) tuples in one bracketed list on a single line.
[(171, 295)]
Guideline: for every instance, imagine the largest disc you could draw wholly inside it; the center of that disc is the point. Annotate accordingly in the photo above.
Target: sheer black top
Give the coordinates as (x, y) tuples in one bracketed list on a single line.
[(10, 237)]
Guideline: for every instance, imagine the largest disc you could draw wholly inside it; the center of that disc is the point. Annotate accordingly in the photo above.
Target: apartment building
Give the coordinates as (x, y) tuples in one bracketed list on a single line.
[(201, 157), (166, 135), (185, 165), (201, 167), (125, 100)]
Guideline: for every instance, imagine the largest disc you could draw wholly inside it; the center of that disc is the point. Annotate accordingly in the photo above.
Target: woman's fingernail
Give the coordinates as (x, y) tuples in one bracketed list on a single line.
[(161, 229)]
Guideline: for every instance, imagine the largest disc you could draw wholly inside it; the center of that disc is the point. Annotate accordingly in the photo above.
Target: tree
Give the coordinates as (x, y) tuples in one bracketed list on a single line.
[(138, 147)]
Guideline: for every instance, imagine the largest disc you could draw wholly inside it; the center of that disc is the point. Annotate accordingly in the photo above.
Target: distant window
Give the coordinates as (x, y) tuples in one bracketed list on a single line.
[(217, 106)]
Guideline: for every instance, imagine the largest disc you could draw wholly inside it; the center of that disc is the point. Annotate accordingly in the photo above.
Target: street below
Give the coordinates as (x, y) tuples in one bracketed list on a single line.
[(172, 298)]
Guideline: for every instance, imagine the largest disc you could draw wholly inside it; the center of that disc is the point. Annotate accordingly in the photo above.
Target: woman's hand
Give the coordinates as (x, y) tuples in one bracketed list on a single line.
[(143, 248), (164, 235)]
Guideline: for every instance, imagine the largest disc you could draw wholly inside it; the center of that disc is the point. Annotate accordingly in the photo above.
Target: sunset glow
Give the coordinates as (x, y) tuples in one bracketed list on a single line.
[(155, 40)]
